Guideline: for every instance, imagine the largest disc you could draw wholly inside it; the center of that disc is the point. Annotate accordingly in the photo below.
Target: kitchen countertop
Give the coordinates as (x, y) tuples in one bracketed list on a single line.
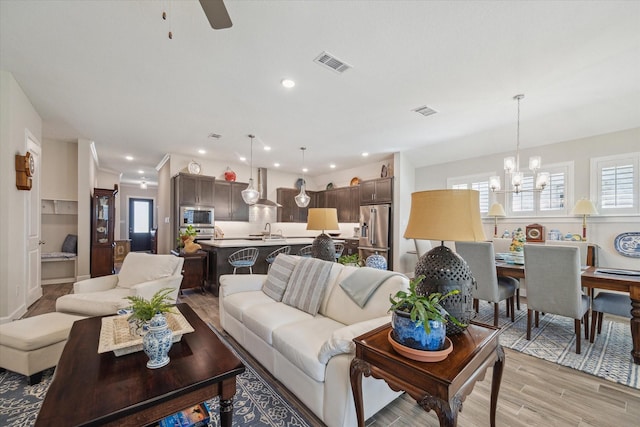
[(241, 243)]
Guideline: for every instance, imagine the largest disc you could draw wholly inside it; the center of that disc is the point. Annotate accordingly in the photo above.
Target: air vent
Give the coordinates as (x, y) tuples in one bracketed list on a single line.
[(330, 61), (214, 135), (424, 110)]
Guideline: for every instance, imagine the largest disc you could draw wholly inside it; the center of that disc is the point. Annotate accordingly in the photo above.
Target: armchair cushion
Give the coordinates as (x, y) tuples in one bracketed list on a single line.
[(140, 267)]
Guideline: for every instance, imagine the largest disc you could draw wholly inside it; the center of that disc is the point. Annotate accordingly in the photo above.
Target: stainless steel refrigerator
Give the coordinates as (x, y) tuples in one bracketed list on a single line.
[(375, 232)]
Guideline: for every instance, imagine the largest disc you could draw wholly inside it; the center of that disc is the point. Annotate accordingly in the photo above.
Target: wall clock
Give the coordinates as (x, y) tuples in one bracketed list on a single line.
[(535, 233), (25, 169), (194, 167)]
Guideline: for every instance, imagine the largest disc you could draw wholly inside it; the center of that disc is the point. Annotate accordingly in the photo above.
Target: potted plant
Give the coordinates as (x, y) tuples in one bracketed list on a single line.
[(353, 260), (188, 233), (419, 321)]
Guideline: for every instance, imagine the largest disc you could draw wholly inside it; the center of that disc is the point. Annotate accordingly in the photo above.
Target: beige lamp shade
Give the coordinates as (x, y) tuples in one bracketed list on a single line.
[(452, 215), (497, 210), (322, 219), (584, 207)]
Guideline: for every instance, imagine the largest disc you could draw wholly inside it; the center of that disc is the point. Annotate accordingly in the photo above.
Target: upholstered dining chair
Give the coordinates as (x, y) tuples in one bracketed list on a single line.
[(244, 258), (305, 251), (553, 286), (610, 303), (272, 255), (489, 287)]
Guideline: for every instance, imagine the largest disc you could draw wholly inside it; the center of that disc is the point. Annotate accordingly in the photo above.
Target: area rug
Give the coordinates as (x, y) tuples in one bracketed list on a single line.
[(256, 403), (609, 357)]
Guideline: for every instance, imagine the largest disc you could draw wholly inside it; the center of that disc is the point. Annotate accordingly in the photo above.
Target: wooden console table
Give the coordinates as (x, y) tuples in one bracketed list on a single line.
[(195, 270), (440, 386)]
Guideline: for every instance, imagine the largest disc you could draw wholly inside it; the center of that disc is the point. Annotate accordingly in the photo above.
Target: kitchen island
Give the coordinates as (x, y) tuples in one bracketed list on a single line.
[(219, 251)]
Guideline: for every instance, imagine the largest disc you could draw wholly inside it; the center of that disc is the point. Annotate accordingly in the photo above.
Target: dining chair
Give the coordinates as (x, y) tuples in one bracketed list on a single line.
[(422, 247), (553, 286), (305, 251), (610, 303), (272, 255), (339, 250), (244, 258), (489, 287)]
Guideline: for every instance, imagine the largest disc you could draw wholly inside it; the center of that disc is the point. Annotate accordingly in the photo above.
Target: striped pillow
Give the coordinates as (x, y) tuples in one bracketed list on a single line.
[(307, 284), (278, 276)]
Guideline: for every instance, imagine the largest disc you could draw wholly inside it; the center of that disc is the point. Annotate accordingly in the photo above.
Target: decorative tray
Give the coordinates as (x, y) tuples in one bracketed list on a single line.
[(628, 244), (115, 335)]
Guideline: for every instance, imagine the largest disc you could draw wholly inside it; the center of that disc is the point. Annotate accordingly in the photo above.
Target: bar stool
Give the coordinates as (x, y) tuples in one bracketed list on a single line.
[(244, 258), (272, 256), (339, 250), (305, 251)]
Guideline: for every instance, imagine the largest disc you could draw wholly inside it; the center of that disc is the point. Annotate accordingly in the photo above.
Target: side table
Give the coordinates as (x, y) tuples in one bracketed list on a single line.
[(195, 271), (441, 386)]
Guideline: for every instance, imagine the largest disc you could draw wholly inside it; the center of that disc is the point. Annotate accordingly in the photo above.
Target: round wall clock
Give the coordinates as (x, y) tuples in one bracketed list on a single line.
[(29, 164), (194, 167)]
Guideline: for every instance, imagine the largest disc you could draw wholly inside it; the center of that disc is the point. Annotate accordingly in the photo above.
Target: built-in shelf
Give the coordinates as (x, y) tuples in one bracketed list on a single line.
[(59, 207)]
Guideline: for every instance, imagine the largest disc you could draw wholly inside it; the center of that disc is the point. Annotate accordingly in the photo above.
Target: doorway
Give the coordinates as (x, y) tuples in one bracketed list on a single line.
[(140, 224)]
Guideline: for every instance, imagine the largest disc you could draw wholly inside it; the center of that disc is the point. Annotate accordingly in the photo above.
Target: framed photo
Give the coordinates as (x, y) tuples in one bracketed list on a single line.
[(535, 233)]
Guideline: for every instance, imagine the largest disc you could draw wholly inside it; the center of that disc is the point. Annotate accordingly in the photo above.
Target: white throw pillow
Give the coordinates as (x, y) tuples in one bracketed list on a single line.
[(279, 275), (140, 268), (307, 284), (341, 340)]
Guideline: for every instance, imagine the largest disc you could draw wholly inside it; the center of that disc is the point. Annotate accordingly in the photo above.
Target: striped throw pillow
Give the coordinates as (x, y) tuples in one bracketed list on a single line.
[(279, 275), (307, 284)]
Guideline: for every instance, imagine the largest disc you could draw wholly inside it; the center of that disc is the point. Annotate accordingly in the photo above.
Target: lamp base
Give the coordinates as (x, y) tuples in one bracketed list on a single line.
[(323, 247), (445, 271)]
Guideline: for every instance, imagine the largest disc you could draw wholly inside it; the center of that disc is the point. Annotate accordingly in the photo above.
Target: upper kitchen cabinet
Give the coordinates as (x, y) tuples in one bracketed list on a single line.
[(228, 203), (376, 191), (195, 190), (345, 200), (290, 212)]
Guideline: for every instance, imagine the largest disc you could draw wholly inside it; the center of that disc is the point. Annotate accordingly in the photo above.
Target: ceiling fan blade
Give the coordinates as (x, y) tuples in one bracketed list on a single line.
[(216, 14)]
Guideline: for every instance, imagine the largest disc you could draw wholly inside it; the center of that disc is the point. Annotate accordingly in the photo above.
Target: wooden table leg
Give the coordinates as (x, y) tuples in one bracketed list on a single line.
[(228, 390), (358, 367), (498, 367), (634, 293), (447, 411)]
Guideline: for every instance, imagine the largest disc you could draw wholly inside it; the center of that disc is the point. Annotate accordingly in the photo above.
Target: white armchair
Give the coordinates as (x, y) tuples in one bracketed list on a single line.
[(141, 274)]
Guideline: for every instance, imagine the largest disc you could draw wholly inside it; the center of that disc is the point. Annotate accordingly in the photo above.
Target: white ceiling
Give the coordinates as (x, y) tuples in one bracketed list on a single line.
[(106, 71)]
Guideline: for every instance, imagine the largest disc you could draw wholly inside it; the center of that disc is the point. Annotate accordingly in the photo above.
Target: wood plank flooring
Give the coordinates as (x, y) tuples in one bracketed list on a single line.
[(534, 392)]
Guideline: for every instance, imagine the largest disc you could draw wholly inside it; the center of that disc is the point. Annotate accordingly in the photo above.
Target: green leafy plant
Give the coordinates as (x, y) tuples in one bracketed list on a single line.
[(143, 310), (350, 259), (186, 234), (422, 308)]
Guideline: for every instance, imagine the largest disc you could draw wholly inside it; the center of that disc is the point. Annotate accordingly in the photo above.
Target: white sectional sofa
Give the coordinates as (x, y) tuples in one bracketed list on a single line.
[(311, 354)]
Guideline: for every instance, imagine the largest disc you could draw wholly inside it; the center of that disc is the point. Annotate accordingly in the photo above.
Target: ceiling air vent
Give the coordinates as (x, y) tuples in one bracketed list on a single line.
[(424, 110), (214, 135), (330, 61)]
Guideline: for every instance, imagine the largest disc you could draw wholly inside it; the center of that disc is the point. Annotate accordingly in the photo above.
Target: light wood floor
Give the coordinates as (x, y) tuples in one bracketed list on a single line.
[(534, 392)]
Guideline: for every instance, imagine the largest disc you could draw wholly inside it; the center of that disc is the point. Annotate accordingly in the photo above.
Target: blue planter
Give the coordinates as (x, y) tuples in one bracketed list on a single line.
[(412, 334)]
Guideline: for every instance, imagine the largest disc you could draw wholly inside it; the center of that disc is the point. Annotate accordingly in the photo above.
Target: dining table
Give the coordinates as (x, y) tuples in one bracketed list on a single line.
[(621, 280)]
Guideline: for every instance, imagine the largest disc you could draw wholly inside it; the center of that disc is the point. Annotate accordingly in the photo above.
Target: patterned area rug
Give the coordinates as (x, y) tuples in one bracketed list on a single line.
[(256, 403), (609, 357)]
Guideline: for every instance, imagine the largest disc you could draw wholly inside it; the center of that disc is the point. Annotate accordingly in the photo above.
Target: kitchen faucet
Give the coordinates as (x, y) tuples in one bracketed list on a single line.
[(268, 225)]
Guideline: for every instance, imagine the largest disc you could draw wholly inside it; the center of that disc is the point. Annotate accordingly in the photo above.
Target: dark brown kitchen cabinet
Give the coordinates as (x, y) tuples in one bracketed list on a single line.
[(350, 246), (103, 210), (290, 212), (195, 190), (345, 200), (228, 204), (376, 191)]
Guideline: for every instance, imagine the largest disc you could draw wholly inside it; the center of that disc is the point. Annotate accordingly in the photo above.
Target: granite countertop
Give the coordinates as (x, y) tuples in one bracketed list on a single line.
[(241, 243)]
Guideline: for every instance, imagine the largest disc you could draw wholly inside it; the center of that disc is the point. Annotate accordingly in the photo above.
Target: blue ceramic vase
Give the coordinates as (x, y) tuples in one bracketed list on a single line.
[(412, 334), (157, 342), (376, 261)]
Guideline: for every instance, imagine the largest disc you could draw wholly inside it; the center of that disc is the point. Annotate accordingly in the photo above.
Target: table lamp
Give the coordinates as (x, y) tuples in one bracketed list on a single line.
[(452, 215), (584, 207), (323, 219), (496, 210)]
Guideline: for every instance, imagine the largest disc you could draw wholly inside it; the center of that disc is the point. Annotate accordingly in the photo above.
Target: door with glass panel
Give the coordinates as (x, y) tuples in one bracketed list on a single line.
[(140, 224)]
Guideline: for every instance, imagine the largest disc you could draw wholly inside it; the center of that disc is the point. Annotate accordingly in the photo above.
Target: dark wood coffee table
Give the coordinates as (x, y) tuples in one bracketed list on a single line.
[(441, 386), (90, 389)]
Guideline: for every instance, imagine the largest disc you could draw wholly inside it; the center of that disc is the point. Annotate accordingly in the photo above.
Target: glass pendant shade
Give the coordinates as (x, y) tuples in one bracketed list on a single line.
[(302, 199), (250, 195)]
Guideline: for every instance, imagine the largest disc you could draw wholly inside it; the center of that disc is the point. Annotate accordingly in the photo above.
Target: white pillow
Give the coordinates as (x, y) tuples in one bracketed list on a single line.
[(307, 284), (341, 341), (140, 268), (279, 275)]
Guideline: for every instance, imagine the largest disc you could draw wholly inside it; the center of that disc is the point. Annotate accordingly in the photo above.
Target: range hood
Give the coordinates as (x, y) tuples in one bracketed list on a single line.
[(262, 189)]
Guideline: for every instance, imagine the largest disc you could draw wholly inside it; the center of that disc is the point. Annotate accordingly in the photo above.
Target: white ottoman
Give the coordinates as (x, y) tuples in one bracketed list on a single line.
[(29, 346)]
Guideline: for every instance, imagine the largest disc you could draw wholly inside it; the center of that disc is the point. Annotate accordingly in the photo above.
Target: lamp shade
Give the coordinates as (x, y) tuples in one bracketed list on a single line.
[(322, 219), (496, 209), (452, 215), (584, 207)]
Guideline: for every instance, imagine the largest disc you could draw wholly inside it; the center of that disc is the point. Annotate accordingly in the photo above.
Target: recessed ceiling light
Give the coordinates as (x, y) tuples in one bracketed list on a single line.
[(242, 158), (332, 165), (267, 148), (130, 158), (277, 165), (140, 171), (288, 83), (365, 154), (305, 170), (201, 151)]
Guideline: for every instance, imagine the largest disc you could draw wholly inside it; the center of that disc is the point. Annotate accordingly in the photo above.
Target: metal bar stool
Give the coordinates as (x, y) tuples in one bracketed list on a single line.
[(272, 256), (244, 258), (339, 250), (305, 251)]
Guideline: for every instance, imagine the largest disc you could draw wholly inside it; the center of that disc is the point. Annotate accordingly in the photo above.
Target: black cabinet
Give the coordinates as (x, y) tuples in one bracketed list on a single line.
[(195, 190), (228, 203), (376, 191), (103, 211), (350, 246), (290, 212), (345, 199)]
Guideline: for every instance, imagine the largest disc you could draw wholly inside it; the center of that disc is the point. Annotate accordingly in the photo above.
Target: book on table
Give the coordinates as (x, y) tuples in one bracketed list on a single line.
[(194, 416)]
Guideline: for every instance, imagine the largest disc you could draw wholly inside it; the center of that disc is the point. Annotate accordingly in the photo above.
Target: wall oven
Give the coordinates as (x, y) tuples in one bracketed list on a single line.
[(196, 216)]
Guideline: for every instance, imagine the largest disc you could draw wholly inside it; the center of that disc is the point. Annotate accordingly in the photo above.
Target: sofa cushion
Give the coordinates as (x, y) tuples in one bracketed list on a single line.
[(341, 340), (263, 319), (307, 284), (279, 275), (140, 268), (94, 303), (236, 304), (300, 342)]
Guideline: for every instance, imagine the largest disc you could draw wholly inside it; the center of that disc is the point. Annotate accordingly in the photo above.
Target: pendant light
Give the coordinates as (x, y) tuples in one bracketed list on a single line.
[(250, 194), (302, 199)]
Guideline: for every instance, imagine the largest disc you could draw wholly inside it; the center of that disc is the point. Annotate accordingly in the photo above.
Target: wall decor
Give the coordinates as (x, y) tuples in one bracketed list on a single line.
[(25, 169), (628, 244), (535, 233)]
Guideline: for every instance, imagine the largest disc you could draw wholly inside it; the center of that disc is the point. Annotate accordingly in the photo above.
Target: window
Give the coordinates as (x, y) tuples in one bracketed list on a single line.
[(552, 201), (474, 182), (615, 182)]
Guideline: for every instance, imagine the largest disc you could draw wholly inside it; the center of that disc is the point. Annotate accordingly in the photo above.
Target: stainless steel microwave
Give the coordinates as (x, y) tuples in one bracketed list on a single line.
[(196, 216)]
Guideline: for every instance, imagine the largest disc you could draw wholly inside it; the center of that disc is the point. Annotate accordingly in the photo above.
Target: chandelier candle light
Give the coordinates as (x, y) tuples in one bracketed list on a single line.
[(250, 194), (512, 167), (302, 199), (584, 207)]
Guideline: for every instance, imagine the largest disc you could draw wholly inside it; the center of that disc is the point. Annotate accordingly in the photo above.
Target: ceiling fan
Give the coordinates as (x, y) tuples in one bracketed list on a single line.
[(216, 14)]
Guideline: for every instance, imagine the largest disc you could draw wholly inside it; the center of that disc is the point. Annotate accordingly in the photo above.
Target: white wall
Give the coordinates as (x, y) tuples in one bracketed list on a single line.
[(59, 170), (602, 230), (87, 181), (17, 116), (165, 241)]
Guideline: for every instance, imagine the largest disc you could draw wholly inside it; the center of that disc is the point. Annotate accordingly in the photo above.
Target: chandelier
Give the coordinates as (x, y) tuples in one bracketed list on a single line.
[(512, 168), (302, 199), (250, 194)]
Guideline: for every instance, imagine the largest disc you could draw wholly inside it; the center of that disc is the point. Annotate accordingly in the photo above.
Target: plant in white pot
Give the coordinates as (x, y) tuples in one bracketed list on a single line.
[(158, 340), (419, 321)]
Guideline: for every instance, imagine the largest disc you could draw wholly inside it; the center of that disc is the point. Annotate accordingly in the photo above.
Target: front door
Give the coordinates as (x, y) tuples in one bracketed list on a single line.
[(140, 224)]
